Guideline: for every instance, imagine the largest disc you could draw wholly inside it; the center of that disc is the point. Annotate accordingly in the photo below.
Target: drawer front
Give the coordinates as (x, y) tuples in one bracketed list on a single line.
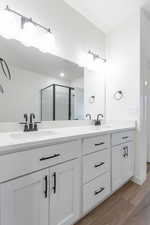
[(95, 192), (21, 163), (95, 164), (123, 137), (95, 144)]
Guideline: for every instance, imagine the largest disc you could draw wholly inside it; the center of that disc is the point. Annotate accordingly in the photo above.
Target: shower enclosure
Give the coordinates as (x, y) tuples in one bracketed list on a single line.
[(57, 103)]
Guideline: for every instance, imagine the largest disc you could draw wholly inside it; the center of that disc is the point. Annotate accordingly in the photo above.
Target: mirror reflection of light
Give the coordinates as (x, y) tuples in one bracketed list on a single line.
[(46, 42), (27, 34), (62, 74)]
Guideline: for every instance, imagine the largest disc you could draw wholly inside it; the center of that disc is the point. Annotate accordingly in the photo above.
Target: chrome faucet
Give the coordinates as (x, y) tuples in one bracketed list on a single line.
[(98, 120), (88, 115)]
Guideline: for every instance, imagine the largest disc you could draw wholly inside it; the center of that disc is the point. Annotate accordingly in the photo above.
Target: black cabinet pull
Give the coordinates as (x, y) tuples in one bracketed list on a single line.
[(125, 151), (99, 191), (101, 143), (46, 184), (50, 157), (126, 137), (98, 165), (54, 187)]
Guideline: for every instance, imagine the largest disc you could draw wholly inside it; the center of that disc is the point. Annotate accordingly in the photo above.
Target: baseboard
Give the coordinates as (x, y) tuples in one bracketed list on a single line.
[(138, 181)]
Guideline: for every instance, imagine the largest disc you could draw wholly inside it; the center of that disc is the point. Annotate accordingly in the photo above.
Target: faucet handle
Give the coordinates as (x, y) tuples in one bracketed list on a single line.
[(35, 126)]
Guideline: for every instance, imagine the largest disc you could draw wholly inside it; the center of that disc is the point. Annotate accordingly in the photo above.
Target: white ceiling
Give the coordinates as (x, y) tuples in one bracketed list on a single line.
[(106, 14)]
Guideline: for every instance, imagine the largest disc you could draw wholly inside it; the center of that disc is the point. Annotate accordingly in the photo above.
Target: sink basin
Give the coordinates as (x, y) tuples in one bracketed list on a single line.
[(102, 127), (31, 135), (88, 128)]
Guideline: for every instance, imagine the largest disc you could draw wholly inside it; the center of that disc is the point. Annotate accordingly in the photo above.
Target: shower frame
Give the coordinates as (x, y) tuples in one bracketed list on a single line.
[(54, 99)]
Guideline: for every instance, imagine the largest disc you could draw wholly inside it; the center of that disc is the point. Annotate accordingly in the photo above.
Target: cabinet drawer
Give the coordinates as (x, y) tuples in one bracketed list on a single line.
[(95, 164), (21, 163), (95, 192), (95, 144), (122, 137)]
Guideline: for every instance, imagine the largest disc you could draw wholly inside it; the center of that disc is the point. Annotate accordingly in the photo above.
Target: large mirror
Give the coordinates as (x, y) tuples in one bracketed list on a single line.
[(50, 87)]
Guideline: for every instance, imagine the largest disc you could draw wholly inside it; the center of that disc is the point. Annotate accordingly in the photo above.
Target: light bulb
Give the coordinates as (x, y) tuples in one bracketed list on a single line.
[(28, 34), (9, 24)]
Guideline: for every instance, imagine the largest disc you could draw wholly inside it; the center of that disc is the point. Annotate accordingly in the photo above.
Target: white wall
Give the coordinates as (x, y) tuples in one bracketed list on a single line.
[(123, 53), (78, 82), (145, 76), (22, 94), (74, 34)]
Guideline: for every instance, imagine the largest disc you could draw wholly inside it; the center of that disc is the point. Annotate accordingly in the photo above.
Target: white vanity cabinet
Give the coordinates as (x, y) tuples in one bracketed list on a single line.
[(50, 196), (122, 158), (58, 184)]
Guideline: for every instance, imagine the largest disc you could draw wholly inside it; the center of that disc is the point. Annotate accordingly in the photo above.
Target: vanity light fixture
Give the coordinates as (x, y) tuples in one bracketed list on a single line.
[(25, 20), (96, 56), (27, 31)]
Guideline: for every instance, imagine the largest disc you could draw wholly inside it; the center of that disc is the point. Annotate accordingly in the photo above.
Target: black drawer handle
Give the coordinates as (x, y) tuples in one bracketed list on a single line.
[(99, 191), (46, 188), (101, 143), (50, 157), (98, 165), (126, 137)]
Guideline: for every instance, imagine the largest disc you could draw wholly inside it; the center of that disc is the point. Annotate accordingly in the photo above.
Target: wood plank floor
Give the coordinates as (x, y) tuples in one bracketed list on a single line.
[(128, 206)]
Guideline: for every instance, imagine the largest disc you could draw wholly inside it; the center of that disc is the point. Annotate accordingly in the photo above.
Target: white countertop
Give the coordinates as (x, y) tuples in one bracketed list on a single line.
[(10, 143)]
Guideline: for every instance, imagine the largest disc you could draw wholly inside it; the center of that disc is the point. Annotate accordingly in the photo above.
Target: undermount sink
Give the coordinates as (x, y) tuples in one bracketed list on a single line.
[(88, 128), (31, 135)]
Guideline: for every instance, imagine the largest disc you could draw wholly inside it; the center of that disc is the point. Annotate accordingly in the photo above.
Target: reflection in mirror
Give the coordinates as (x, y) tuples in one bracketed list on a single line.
[(50, 87), (46, 85), (59, 102)]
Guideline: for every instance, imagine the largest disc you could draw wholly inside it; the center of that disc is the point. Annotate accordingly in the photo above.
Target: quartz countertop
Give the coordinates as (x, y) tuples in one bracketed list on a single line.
[(11, 142)]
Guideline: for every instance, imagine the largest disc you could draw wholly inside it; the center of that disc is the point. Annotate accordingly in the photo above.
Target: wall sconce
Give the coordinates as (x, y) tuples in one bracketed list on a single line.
[(29, 32), (92, 62), (96, 56)]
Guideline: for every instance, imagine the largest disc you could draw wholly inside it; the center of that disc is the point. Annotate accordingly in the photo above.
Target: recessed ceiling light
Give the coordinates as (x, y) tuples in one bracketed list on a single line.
[(62, 74)]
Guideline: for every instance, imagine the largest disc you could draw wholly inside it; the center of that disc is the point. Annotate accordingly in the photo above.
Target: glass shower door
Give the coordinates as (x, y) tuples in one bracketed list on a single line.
[(47, 104), (61, 103)]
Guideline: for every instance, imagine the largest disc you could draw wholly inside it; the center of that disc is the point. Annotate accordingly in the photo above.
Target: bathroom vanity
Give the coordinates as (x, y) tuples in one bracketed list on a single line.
[(57, 179)]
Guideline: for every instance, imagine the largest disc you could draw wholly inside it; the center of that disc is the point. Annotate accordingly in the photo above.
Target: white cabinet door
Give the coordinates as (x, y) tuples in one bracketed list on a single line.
[(116, 167), (25, 200), (122, 164), (128, 161), (65, 193)]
